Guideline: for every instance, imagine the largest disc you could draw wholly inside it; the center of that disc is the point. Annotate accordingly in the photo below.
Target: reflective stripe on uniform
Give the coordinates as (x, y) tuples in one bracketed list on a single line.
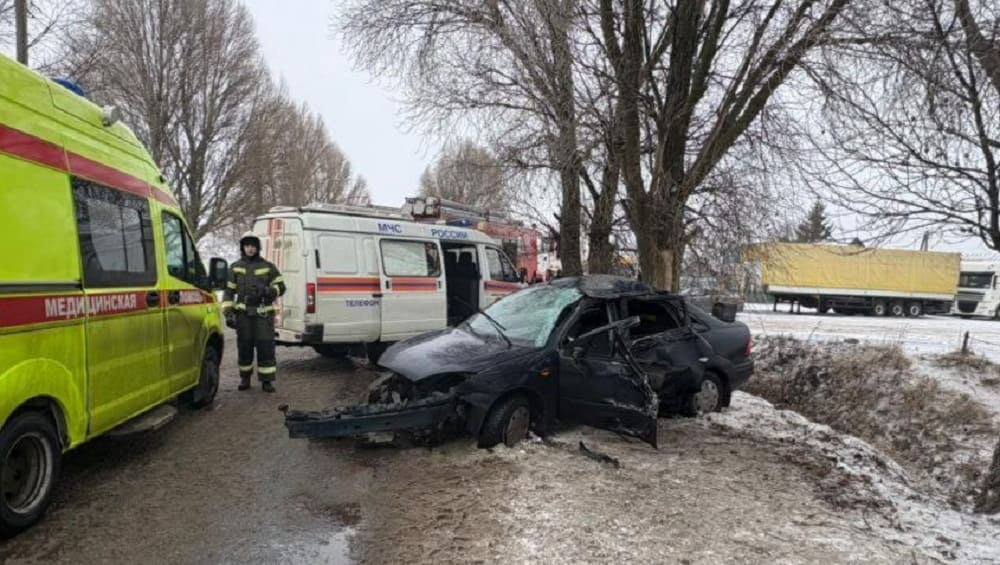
[(227, 304), (240, 270), (246, 368), (267, 370), (240, 306), (231, 284), (265, 309), (262, 271), (277, 280)]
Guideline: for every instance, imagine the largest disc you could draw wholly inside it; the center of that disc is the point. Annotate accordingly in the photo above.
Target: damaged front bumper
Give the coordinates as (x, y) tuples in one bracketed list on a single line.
[(421, 417)]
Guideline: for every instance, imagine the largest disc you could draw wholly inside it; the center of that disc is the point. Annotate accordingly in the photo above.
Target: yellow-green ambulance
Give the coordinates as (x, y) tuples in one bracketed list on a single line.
[(106, 311)]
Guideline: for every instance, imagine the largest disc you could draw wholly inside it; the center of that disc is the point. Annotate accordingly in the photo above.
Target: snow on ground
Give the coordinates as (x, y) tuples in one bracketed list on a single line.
[(928, 334), (914, 519)]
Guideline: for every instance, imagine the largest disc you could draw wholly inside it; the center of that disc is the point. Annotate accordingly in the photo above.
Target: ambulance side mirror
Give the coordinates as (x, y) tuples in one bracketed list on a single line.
[(218, 271)]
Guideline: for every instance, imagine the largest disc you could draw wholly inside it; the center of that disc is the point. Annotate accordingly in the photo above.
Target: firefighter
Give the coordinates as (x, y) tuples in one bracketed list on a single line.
[(248, 304)]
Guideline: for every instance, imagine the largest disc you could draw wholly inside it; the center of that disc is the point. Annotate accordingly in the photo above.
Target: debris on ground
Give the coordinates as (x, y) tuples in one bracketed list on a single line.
[(599, 457)]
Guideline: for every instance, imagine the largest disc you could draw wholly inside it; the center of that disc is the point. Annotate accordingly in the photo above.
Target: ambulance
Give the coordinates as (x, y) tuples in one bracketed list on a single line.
[(106, 310), (365, 277)]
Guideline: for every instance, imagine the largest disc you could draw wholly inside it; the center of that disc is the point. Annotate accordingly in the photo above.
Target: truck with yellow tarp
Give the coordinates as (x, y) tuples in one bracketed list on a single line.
[(855, 279)]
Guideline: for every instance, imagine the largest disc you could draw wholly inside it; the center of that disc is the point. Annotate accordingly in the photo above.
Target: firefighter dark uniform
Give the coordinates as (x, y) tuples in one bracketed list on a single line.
[(254, 284)]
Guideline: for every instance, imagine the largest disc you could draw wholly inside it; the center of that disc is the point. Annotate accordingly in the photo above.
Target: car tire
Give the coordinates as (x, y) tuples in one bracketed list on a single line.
[(897, 309), (332, 351), (30, 458), (880, 308), (914, 309), (508, 422), (208, 382), (709, 399)]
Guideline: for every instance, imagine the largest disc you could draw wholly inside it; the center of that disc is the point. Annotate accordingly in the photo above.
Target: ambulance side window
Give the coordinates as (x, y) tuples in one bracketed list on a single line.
[(116, 236), (183, 261)]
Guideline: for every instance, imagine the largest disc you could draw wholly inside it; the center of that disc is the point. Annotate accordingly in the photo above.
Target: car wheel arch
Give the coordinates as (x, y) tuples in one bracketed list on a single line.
[(535, 403), (51, 409)]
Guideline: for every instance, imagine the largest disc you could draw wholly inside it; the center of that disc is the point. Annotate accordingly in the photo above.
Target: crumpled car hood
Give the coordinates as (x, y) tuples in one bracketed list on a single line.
[(452, 350)]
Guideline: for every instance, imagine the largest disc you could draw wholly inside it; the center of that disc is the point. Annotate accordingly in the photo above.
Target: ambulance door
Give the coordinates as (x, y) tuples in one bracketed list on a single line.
[(347, 288), (186, 304), (124, 309), (500, 278), (414, 298)]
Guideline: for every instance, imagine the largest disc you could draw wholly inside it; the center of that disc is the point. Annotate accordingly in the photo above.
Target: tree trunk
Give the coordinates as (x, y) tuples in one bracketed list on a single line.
[(566, 158)]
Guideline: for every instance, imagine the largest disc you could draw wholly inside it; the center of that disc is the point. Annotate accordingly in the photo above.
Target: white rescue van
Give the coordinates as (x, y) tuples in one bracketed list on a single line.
[(368, 276)]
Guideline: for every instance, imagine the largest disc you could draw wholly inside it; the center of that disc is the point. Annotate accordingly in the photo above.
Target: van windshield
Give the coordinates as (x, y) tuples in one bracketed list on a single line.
[(527, 316)]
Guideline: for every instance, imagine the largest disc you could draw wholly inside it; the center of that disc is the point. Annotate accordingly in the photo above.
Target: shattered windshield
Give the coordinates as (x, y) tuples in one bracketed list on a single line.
[(526, 316)]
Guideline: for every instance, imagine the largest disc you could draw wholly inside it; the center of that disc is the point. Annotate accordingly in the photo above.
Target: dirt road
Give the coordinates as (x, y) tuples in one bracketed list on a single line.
[(228, 486)]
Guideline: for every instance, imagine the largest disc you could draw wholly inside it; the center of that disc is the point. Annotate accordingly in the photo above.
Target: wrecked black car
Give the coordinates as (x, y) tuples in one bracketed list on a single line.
[(604, 351)]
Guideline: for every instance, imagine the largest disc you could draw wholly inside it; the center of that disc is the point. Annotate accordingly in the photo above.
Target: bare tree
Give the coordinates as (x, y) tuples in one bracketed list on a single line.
[(47, 21), (468, 173), (693, 76), (912, 136), (191, 82), (507, 63)]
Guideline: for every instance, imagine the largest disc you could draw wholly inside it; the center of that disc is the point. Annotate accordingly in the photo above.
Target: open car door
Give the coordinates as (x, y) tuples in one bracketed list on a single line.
[(600, 384)]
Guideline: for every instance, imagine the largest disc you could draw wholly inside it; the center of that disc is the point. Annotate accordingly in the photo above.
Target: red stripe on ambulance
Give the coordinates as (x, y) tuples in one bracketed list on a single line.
[(28, 310)]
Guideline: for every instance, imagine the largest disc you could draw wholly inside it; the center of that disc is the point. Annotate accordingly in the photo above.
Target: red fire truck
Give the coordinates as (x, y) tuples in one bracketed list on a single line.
[(535, 254)]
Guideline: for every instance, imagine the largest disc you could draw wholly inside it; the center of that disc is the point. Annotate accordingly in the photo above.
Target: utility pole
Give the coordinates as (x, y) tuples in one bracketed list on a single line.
[(21, 22)]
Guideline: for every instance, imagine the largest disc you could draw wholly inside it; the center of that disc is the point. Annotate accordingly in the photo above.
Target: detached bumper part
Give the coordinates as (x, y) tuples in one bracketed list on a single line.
[(427, 414)]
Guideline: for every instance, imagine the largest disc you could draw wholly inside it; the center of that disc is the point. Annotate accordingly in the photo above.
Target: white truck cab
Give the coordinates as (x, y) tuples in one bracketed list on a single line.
[(371, 276), (978, 289)]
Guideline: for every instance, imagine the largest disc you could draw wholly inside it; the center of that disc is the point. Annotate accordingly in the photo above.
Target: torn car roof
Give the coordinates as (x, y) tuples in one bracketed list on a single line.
[(607, 286)]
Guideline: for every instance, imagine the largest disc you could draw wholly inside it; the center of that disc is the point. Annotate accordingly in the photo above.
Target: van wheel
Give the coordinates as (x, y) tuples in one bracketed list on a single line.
[(508, 422), (332, 351), (30, 457), (208, 383)]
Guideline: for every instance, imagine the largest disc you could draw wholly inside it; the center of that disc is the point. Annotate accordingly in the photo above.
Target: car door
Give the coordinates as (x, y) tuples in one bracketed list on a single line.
[(664, 336), (123, 306), (186, 304), (598, 386), (414, 298)]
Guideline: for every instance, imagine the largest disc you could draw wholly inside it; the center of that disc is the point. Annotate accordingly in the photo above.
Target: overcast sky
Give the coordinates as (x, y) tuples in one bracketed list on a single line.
[(363, 118)]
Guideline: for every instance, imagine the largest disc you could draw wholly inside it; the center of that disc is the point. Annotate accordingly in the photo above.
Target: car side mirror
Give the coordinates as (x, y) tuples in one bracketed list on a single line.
[(218, 273)]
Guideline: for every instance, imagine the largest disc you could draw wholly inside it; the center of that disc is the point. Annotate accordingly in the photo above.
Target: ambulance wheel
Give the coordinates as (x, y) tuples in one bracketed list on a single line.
[(208, 384), (508, 422), (30, 457)]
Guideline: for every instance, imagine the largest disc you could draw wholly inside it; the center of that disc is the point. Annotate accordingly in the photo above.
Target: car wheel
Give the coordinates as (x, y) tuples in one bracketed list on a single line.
[(508, 422), (914, 309), (708, 399), (30, 456), (880, 308), (208, 382)]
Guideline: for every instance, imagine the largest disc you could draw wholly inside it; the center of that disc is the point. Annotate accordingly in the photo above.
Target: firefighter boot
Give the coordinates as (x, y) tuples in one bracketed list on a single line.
[(267, 386), (244, 382)]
